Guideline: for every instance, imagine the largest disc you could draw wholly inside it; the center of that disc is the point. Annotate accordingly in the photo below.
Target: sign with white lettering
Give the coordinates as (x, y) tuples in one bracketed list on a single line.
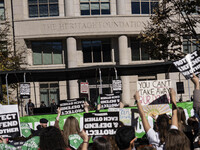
[(154, 91), (117, 85), (125, 115), (109, 101), (9, 121), (103, 123), (25, 90), (72, 106), (189, 64), (84, 87)]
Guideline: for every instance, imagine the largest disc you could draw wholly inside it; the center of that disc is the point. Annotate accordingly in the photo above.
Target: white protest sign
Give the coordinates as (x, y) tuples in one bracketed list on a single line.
[(25, 90), (125, 115), (189, 64), (9, 121), (155, 110), (117, 85), (109, 100), (84, 87), (154, 91)]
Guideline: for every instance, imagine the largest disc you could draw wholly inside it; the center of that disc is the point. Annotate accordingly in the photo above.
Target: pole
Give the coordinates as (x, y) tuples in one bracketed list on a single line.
[(116, 77), (7, 89), (100, 91)]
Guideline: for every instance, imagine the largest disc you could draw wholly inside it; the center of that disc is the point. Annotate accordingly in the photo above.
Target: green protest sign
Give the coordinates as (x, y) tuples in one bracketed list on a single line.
[(75, 141), (7, 147), (25, 129), (31, 144)]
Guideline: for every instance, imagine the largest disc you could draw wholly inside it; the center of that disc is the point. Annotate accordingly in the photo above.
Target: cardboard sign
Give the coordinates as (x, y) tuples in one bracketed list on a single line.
[(9, 121), (154, 91), (84, 87), (189, 64), (125, 115), (25, 90), (117, 85), (72, 106), (104, 123), (155, 110), (109, 101)]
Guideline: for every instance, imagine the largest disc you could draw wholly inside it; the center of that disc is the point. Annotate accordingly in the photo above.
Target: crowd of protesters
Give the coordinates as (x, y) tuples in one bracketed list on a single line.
[(168, 133)]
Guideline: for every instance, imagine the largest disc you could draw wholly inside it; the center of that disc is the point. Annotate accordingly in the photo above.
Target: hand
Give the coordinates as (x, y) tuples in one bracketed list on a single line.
[(2, 140), (195, 80), (137, 96), (58, 111), (98, 106), (86, 107), (84, 136), (121, 105)]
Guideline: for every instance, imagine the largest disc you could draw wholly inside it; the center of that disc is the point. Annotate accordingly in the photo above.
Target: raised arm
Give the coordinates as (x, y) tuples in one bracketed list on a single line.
[(86, 106), (174, 107), (196, 94), (57, 118), (141, 112)]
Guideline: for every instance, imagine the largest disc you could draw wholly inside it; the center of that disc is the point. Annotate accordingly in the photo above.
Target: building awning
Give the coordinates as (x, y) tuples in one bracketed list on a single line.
[(86, 72)]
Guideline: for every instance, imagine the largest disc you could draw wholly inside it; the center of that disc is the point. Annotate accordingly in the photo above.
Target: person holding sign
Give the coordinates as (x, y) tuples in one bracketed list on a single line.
[(71, 130), (157, 139)]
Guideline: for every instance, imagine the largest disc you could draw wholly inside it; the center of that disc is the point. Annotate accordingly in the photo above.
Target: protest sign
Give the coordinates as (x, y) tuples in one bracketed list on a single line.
[(125, 115), (84, 87), (109, 101), (75, 141), (117, 86), (25, 129), (33, 121), (31, 144), (72, 106), (25, 90), (9, 121), (189, 64), (7, 147), (154, 110), (104, 123), (154, 91)]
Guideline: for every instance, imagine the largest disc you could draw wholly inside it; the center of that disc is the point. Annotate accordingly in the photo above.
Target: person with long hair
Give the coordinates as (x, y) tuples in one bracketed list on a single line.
[(51, 139), (181, 119), (71, 126), (157, 139), (176, 140)]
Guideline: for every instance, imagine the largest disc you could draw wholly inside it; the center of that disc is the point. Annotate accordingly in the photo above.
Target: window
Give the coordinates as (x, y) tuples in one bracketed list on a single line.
[(95, 7), (43, 8), (2, 10), (144, 6), (96, 51), (190, 44), (138, 50), (47, 53), (49, 91)]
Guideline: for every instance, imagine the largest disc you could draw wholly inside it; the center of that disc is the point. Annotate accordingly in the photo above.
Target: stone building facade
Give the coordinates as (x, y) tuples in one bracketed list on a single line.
[(79, 33)]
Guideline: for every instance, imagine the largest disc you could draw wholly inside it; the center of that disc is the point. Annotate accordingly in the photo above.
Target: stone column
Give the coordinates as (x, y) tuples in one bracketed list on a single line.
[(72, 63), (124, 60), (121, 7), (69, 8)]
